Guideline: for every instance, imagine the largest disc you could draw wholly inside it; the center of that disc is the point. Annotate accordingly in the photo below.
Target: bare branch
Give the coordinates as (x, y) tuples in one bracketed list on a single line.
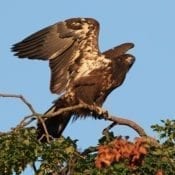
[(126, 122), (92, 110), (23, 122), (45, 128), (34, 167), (67, 109), (21, 98), (32, 117), (91, 149)]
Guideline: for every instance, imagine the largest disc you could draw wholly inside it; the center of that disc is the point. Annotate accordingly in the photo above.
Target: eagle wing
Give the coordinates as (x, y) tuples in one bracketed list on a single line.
[(118, 50), (60, 44)]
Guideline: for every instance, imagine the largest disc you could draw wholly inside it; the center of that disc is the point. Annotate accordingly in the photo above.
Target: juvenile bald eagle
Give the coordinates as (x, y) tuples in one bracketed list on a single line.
[(80, 73)]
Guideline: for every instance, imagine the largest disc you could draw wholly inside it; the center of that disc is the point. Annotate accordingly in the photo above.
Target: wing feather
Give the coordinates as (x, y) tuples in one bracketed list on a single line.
[(60, 43), (44, 43), (60, 76), (118, 51)]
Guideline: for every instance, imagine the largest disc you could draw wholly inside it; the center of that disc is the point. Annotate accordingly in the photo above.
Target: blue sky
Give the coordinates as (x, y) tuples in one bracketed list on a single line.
[(147, 94)]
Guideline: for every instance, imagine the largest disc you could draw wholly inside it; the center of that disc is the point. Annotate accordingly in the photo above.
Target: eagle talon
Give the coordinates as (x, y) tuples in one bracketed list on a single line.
[(102, 113), (106, 114)]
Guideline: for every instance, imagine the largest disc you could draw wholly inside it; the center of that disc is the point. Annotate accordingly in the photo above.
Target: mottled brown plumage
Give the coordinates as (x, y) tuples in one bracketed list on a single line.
[(79, 71)]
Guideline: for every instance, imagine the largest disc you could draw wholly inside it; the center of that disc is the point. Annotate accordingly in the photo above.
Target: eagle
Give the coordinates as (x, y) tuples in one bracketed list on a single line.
[(80, 73)]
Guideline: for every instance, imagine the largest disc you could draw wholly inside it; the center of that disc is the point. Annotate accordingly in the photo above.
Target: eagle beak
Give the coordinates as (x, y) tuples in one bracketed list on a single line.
[(130, 60)]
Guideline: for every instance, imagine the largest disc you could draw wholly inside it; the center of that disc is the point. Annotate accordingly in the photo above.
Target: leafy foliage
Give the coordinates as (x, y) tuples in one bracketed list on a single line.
[(122, 150), (112, 155)]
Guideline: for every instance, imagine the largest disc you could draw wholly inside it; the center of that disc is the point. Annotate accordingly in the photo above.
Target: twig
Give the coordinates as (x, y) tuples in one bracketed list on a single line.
[(89, 150), (109, 127), (130, 123), (34, 167), (23, 122), (44, 127), (21, 98), (32, 117)]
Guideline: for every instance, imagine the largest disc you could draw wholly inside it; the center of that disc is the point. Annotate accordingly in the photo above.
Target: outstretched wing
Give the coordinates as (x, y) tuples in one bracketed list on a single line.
[(118, 50), (62, 45)]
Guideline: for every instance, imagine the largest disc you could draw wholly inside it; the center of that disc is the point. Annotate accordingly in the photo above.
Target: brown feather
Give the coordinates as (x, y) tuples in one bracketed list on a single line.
[(44, 43), (119, 50)]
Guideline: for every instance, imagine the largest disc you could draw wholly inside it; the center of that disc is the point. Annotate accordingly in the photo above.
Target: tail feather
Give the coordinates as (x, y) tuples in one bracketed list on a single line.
[(54, 125)]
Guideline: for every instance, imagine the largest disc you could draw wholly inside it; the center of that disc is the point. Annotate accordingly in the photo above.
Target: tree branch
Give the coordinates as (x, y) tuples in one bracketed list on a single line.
[(92, 109), (122, 121), (32, 117), (21, 98), (116, 120)]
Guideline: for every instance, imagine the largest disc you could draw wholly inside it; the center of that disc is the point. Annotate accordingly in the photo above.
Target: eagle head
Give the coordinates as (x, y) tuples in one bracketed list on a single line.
[(121, 66), (79, 23), (124, 61)]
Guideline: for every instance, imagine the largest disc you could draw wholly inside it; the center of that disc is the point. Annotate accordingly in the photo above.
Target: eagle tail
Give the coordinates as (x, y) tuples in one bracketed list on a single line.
[(54, 125)]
